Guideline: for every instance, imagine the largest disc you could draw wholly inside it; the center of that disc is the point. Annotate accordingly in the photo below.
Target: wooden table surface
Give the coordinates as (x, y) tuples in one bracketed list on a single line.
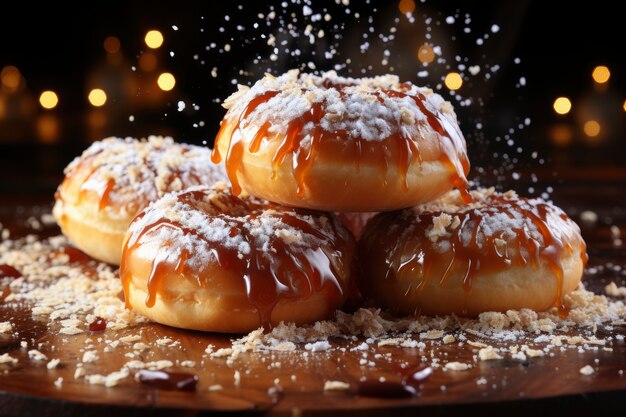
[(540, 386)]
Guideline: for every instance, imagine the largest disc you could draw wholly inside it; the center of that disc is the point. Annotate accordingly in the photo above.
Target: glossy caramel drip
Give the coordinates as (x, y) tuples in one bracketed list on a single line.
[(90, 174), (235, 144), (448, 131), (231, 133), (7, 271), (106, 193), (86, 164), (285, 271), (78, 169), (472, 251)]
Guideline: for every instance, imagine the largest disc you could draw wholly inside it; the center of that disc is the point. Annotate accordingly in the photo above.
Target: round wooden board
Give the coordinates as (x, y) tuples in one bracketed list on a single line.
[(541, 385)]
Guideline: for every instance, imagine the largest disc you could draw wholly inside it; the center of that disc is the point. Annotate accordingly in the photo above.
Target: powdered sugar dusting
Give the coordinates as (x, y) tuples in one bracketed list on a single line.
[(518, 215), (143, 170), (218, 219), (359, 106)]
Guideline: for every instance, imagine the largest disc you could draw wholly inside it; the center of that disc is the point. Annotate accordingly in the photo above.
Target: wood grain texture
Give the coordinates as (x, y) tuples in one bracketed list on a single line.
[(538, 386)]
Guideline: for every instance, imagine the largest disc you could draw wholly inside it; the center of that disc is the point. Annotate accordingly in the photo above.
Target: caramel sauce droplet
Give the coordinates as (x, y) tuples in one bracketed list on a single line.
[(7, 271), (75, 255), (98, 325)]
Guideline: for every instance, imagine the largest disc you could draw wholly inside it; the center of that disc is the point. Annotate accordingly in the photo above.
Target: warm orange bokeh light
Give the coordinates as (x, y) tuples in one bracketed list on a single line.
[(48, 99), (47, 128), (562, 105), (112, 45), (453, 81), (592, 128), (601, 74), (147, 62), (154, 39), (10, 77), (97, 97), (406, 6), (561, 134), (166, 81), (426, 54)]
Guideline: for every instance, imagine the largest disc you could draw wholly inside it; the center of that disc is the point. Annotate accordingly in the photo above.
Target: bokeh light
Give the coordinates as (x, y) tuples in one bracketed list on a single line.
[(561, 134), (112, 45), (562, 105), (406, 6), (48, 99), (154, 39), (97, 97), (601, 74), (166, 81), (426, 54), (147, 62), (10, 77), (592, 128), (47, 128), (453, 81)]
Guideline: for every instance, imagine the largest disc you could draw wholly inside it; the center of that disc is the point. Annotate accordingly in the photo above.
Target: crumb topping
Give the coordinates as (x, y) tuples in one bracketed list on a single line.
[(336, 386), (492, 215), (587, 370), (365, 108), (143, 170), (59, 290), (611, 289), (217, 218)]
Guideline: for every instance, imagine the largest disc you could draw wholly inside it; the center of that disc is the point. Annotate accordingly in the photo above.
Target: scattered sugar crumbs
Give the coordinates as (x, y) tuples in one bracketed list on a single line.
[(67, 297)]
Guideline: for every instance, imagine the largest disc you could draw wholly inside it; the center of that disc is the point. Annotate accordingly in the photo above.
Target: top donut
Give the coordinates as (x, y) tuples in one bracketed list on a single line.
[(343, 144)]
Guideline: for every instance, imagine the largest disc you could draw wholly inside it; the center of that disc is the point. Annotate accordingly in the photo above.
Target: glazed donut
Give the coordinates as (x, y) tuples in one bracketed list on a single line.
[(205, 259), (341, 144), (114, 179), (500, 252)]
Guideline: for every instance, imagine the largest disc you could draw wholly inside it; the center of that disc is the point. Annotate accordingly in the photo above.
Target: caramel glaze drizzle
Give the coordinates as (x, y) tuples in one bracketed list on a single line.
[(287, 271), (291, 143), (473, 252), (105, 191)]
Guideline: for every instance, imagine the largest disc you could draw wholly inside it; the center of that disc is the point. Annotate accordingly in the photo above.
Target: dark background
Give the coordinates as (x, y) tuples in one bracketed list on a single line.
[(558, 43)]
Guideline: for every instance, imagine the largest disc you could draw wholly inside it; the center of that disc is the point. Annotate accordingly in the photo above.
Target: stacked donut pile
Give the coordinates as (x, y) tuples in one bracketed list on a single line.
[(309, 160)]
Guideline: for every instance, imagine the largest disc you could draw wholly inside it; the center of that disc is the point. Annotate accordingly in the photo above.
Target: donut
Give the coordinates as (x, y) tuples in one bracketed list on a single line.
[(114, 179), (206, 259), (501, 252), (341, 144)]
